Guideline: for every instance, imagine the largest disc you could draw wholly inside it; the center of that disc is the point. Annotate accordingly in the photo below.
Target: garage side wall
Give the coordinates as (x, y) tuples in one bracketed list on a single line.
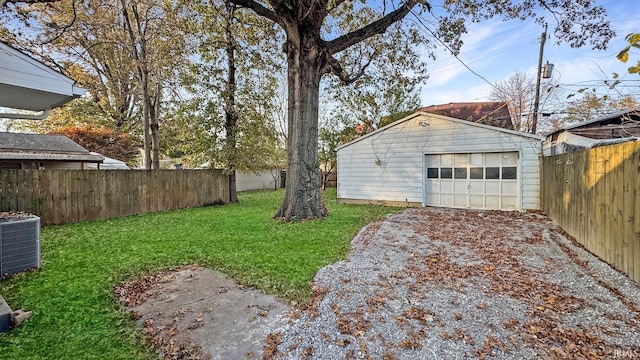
[(387, 166)]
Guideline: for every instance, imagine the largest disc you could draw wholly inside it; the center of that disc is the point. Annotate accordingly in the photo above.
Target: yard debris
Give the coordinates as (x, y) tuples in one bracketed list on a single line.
[(171, 344), (481, 284), (136, 292), (6, 216), (434, 283), (19, 316)]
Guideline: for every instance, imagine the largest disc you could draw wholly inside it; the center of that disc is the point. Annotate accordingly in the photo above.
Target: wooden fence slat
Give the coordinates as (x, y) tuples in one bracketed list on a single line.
[(633, 176), (63, 196), (595, 196), (628, 211)]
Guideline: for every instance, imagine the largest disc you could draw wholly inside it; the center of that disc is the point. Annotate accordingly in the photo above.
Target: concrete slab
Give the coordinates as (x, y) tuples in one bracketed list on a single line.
[(5, 315), (197, 307)]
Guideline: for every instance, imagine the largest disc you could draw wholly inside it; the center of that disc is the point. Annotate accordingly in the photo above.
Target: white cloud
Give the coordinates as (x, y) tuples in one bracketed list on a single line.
[(497, 49), (461, 93)]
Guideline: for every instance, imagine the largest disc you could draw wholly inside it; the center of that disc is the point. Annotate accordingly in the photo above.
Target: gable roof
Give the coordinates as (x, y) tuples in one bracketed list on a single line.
[(488, 113), (28, 84), (458, 121), (18, 146)]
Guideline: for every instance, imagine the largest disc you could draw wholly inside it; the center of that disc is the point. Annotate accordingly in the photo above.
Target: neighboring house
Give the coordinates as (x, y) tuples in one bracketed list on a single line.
[(610, 129), (27, 84), (263, 180), (433, 160), (108, 164), (36, 151), (247, 180), (487, 113)]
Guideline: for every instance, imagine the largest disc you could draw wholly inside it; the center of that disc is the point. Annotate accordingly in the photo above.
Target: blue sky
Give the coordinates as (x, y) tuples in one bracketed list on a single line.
[(497, 49)]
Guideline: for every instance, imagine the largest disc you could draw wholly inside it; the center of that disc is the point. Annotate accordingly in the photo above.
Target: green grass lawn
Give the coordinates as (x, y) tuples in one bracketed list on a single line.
[(76, 315)]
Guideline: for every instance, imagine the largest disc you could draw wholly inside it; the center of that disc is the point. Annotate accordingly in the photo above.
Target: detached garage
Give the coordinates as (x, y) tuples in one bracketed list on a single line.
[(433, 160)]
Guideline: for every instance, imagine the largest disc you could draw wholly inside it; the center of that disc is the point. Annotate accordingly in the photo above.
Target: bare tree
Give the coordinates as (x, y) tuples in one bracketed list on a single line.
[(518, 91)]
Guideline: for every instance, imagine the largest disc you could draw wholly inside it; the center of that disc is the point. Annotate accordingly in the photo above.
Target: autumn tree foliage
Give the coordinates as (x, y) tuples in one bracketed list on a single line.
[(342, 40), (119, 146), (126, 53)]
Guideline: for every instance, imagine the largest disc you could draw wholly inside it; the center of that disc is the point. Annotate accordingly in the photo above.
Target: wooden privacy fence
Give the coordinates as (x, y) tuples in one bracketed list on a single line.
[(595, 196), (67, 196)]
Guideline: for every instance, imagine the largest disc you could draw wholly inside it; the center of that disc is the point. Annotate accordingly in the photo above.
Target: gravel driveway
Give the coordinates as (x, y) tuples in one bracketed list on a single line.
[(449, 284)]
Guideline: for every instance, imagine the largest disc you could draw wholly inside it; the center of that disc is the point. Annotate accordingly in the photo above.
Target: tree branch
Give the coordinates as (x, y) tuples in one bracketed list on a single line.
[(260, 10), (64, 29), (336, 68), (377, 27), (5, 2)]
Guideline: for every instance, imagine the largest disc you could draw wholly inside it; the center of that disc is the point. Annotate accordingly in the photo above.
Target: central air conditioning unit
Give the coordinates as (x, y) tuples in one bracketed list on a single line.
[(19, 243)]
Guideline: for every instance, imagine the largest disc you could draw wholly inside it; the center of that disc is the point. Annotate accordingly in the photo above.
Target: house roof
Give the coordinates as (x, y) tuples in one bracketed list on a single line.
[(27, 84), (597, 127), (487, 113), (17, 146), (458, 121), (109, 164)]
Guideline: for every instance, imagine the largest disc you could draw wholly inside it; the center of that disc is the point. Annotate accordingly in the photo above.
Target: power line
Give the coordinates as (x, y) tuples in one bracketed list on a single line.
[(451, 51)]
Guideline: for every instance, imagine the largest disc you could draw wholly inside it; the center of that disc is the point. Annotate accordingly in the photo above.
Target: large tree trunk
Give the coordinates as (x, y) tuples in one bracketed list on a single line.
[(305, 60)]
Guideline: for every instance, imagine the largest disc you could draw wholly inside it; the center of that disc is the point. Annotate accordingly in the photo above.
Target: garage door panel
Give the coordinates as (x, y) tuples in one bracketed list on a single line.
[(492, 201), (492, 159), (476, 187), (433, 186), (476, 159), (476, 201), (509, 188), (461, 160), (460, 200), (509, 202), (446, 160), (492, 187), (433, 161), (446, 187), (461, 187), (433, 199), (510, 159), (473, 180)]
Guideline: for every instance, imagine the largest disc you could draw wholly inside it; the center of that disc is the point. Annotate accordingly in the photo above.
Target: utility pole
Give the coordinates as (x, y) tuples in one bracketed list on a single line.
[(536, 104)]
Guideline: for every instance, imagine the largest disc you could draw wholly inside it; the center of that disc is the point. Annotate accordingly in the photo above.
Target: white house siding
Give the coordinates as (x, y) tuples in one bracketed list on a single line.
[(261, 181), (388, 165)]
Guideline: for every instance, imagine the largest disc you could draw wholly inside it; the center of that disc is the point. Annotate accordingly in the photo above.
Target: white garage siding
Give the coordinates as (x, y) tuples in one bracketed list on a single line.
[(389, 166), (265, 180)]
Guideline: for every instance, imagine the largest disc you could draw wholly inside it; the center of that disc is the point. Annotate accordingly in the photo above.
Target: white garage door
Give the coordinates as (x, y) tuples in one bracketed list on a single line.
[(475, 180)]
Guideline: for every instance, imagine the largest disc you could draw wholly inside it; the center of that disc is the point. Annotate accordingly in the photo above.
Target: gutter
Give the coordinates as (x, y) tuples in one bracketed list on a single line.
[(42, 115)]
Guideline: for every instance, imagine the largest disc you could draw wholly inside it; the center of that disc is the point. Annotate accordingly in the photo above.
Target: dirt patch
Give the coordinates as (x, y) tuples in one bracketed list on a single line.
[(197, 313)]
